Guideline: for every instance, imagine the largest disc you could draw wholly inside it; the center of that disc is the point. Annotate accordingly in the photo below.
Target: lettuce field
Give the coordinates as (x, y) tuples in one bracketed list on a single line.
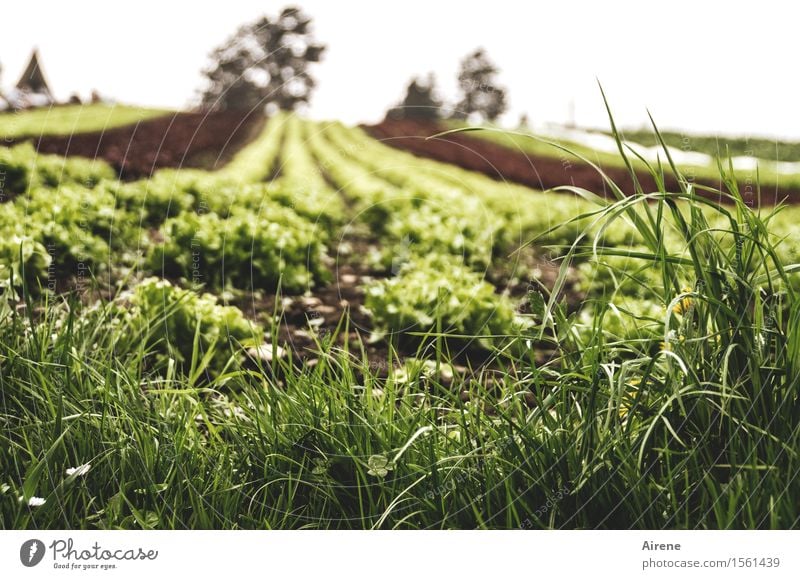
[(321, 329)]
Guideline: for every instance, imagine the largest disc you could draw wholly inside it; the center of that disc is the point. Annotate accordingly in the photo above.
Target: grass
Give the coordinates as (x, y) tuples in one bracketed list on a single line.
[(701, 431), (72, 119), (720, 145)]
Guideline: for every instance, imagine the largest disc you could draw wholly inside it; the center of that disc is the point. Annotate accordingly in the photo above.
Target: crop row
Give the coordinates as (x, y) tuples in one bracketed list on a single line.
[(267, 220)]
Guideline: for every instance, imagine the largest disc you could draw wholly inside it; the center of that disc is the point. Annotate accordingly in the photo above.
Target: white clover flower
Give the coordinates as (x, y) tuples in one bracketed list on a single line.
[(77, 471), (34, 501)]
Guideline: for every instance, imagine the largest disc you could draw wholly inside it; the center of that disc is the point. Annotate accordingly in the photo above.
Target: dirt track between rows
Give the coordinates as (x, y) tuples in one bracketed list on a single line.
[(193, 139)]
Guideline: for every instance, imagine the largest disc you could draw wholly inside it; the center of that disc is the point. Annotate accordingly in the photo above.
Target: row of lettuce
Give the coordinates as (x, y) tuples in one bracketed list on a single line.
[(270, 221)]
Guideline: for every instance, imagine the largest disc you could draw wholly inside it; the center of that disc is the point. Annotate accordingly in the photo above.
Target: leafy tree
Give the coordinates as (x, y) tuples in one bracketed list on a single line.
[(265, 63), (481, 96), (420, 102)]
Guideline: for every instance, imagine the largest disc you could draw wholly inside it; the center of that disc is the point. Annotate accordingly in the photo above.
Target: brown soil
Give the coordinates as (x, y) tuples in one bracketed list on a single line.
[(539, 172), (311, 319), (316, 317), (194, 139)]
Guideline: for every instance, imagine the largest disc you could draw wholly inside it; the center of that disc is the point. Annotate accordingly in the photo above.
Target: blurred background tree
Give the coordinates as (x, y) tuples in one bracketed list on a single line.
[(481, 97), (264, 64), (421, 101)]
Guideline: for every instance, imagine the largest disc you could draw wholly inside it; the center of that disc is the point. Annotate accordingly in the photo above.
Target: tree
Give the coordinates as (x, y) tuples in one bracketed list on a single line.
[(480, 95), (265, 63), (420, 102)]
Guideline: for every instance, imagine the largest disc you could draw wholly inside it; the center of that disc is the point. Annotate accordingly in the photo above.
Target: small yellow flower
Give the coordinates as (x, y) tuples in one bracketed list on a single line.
[(683, 304), (627, 397)]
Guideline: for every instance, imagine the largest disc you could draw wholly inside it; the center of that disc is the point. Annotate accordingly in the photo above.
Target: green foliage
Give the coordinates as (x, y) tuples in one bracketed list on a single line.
[(54, 171), (439, 294), (248, 249), (299, 186), (257, 160), (665, 397), (154, 200), (71, 119), (611, 273), (73, 229), (190, 328), (21, 167), (374, 199), (14, 170), (460, 229), (629, 321), (302, 183), (23, 259)]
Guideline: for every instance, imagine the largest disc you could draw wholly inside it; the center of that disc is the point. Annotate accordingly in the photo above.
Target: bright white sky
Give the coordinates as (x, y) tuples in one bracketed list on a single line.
[(697, 66)]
